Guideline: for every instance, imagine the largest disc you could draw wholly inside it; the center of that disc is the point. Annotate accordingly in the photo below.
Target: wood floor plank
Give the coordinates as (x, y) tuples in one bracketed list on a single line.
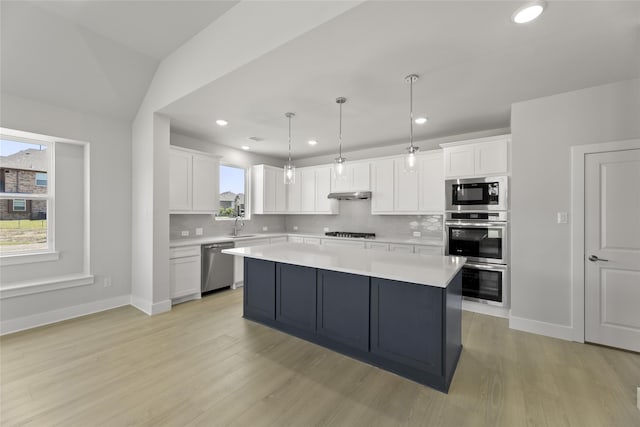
[(203, 365)]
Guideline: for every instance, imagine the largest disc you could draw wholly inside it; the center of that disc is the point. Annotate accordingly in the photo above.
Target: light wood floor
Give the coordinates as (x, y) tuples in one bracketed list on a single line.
[(202, 364)]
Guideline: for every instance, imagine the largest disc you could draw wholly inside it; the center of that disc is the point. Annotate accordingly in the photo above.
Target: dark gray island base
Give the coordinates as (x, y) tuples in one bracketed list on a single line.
[(413, 330)]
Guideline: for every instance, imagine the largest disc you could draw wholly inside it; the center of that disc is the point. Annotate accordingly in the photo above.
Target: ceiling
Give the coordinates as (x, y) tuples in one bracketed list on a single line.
[(97, 56), (472, 60)]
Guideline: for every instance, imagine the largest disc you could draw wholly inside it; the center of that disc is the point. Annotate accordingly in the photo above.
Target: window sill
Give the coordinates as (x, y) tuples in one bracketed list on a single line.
[(16, 259), (227, 218), (38, 286)]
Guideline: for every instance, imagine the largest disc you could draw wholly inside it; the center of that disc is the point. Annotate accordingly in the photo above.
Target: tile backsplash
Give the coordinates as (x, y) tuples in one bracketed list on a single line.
[(211, 227), (355, 216)]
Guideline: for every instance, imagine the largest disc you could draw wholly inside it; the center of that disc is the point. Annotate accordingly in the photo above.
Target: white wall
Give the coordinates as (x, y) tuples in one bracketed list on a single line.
[(110, 212), (543, 131)]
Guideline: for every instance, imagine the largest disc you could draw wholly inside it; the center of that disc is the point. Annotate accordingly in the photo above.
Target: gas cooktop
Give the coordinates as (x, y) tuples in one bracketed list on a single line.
[(350, 234)]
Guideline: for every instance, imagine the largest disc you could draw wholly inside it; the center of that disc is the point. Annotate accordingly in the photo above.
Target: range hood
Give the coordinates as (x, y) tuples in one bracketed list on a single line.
[(351, 195)]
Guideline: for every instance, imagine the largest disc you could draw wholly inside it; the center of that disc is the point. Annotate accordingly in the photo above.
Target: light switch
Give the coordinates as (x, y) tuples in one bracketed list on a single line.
[(417, 234), (326, 229), (295, 228), (184, 233), (563, 218), (265, 228), (199, 231)]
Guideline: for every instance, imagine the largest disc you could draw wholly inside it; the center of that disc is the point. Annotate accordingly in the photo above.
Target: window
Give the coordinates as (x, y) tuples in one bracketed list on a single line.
[(233, 190), (25, 165), (41, 179), (19, 205)]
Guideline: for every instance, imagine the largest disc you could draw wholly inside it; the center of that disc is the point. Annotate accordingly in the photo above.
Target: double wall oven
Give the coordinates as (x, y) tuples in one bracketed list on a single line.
[(477, 228)]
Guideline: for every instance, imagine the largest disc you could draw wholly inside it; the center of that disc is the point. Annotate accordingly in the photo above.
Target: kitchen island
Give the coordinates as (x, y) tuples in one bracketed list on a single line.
[(400, 312)]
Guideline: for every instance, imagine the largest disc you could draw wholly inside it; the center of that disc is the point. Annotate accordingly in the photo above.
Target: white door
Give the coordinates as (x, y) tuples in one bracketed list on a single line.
[(612, 249)]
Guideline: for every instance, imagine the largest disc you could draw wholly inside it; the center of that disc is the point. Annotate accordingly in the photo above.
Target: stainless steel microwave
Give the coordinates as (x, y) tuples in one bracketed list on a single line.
[(477, 194)]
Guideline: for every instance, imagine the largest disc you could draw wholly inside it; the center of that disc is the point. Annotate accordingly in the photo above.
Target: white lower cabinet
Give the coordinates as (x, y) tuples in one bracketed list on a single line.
[(311, 241), (377, 246), (278, 239), (428, 250), (184, 272), (343, 243), (399, 247)]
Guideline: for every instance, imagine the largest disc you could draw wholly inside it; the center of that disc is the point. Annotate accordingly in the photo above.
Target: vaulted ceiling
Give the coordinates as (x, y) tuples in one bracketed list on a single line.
[(473, 62)]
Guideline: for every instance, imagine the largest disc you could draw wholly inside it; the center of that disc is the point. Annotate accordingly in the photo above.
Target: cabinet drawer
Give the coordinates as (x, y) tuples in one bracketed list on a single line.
[(311, 241), (184, 251), (397, 247), (428, 250), (377, 246), (278, 239), (295, 239), (334, 242)]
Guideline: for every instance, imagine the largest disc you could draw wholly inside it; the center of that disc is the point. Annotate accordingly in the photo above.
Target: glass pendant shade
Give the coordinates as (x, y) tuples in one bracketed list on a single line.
[(289, 174), (411, 160), (340, 167), (289, 170)]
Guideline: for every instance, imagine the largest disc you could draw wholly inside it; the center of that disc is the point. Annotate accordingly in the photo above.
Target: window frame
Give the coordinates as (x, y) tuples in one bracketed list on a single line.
[(247, 193), (46, 179), (37, 254), (13, 205)]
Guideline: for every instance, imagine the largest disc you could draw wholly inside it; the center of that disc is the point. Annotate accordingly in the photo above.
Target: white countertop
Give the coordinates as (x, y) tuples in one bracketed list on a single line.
[(433, 270), (217, 239)]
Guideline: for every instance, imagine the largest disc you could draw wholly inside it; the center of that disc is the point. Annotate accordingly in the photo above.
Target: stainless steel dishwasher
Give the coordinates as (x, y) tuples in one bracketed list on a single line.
[(217, 268)]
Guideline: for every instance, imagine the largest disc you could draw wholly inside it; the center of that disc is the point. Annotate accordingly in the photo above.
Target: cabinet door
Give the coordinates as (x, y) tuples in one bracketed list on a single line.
[(296, 296), (361, 177), (459, 161), (406, 188), (345, 182), (491, 158), (259, 289), (308, 190), (343, 308), (431, 185), (294, 195), (281, 192), (323, 188), (180, 180), (406, 323), (382, 186), (269, 190), (184, 276), (205, 184)]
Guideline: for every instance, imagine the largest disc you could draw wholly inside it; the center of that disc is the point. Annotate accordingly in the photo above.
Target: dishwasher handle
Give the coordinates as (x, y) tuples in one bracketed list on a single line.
[(220, 246)]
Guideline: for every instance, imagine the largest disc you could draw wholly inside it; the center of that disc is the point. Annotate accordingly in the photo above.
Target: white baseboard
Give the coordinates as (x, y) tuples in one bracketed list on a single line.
[(542, 328), (150, 308), (490, 310), (41, 319)]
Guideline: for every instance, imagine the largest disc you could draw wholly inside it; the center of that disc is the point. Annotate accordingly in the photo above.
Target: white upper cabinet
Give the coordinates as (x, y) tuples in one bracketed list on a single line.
[(323, 188), (405, 187), (396, 191), (294, 194), (431, 183), (477, 158), (309, 193), (356, 178), (268, 190), (193, 181), (382, 188), (308, 190)]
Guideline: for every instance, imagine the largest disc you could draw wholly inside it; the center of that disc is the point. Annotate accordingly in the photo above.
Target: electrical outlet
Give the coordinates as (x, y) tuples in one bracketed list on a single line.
[(563, 218), (417, 234), (184, 233), (265, 228), (326, 229), (199, 231), (107, 281), (295, 228)]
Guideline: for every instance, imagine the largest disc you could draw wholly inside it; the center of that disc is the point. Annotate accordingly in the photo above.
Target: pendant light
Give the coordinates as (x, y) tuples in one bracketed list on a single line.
[(289, 168), (339, 162), (410, 163)]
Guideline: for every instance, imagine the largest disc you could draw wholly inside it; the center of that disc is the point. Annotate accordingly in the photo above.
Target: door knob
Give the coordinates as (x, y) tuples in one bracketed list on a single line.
[(595, 258)]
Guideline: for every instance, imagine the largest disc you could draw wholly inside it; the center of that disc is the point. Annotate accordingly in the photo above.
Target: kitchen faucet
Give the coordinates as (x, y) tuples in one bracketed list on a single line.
[(235, 225)]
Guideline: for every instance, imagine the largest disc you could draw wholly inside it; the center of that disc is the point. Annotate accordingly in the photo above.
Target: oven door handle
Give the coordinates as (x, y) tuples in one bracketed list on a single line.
[(475, 224), (494, 267)]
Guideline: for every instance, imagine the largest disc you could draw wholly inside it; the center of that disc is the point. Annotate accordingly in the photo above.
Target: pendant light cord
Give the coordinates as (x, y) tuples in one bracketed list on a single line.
[(411, 112), (289, 139), (340, 134)]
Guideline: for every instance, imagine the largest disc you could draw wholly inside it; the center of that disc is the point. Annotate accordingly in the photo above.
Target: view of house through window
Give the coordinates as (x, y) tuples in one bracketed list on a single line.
[(232, 191), (24, 196)]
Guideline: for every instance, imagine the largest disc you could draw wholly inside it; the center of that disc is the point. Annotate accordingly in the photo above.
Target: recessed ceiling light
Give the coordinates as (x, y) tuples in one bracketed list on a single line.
[(528, 12), (245, 147), (312, 142), (421, 120), (222, 122)]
